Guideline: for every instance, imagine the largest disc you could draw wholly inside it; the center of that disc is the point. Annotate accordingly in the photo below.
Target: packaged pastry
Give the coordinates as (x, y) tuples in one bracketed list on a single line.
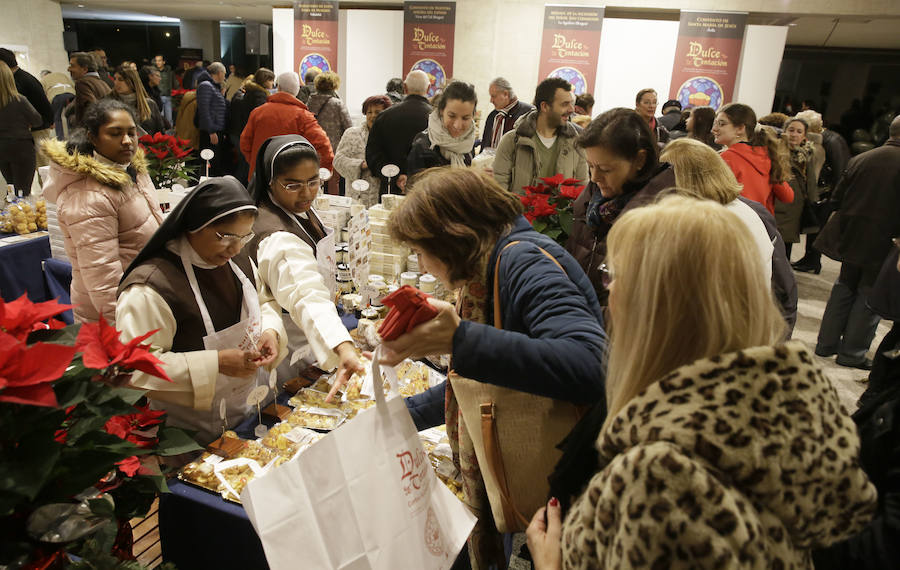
[(288, 440), (316, 418), (311, 398)]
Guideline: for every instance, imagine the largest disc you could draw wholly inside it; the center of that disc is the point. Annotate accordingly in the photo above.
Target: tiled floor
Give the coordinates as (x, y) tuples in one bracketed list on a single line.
[(814, 292)]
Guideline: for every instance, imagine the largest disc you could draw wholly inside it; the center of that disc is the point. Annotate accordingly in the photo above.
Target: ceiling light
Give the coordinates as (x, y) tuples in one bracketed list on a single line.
[(81, 5), (168, 35), (240, 17)]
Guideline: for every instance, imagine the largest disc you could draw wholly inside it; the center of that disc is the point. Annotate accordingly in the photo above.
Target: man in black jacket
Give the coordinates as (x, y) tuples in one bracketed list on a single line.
[(869, 197), (507, 110), (394, 129)]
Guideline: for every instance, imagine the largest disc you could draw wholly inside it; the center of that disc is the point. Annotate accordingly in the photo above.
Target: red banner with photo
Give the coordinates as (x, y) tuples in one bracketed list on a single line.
[(428, 30), (315, 36), (707, 57), (570, 46)]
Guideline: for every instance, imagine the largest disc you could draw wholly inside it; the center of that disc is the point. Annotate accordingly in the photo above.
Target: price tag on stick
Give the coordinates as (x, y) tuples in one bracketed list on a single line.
[(222, 416), (254, 398)]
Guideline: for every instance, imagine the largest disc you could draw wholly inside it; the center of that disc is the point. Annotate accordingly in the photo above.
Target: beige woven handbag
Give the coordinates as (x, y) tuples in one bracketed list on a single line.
[(515, 436)]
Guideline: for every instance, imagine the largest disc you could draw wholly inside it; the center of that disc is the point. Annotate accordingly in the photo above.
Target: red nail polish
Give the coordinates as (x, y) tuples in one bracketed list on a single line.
[(554, 502)]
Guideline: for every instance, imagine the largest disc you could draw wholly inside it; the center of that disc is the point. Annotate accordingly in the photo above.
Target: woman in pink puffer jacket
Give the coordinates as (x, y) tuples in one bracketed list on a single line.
[(106, 204)]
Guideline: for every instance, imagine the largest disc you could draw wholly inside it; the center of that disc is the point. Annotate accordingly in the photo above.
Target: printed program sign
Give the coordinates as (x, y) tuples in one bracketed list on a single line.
[(428, 30), (315, 36), (707, 57), (570, 45)]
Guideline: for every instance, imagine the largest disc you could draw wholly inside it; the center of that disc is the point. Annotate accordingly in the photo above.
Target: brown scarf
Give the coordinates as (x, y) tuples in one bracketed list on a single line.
[(485, 542)]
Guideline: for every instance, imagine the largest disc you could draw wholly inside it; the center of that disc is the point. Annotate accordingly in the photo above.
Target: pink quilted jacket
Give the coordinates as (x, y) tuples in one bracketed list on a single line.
[(105, 219)]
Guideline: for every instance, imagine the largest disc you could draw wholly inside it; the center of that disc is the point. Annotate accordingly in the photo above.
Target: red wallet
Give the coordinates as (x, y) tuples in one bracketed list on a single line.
[(409, 308)]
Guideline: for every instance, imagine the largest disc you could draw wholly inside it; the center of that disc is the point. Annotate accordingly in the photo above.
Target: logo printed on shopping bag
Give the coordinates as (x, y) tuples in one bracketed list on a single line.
[(433, 538), (413, 470)]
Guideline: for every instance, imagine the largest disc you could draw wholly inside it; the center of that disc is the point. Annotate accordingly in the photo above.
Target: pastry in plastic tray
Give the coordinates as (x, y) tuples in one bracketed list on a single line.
[(202, 471), (321, 385), (287, 440), (309, 397), (353, 407), (316, 418)]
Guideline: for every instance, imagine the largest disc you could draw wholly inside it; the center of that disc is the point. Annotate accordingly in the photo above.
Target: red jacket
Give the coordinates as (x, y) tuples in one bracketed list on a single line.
[(751, 166), (283, 114)]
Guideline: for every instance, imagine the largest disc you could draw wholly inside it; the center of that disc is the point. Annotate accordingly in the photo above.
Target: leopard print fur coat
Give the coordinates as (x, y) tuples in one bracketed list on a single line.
[(745, 460)]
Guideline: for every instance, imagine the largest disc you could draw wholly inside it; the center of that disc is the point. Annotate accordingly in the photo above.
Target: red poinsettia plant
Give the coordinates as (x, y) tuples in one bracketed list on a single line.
[(70, 431), (167, 159), (548, 206)]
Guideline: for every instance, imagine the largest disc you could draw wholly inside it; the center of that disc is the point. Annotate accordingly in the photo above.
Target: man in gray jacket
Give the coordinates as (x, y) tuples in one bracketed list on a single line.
[(542, 144), (166, 84)]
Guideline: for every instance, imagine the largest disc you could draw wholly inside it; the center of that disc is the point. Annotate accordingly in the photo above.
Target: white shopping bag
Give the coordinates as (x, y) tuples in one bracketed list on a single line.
[(364, 497)]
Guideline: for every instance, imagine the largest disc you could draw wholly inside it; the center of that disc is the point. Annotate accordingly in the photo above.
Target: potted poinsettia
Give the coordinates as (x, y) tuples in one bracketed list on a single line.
[(548, 206), (167, 157), (78, 449)]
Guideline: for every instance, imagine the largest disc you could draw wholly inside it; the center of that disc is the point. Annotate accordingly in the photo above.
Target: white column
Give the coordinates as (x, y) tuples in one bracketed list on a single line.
[(758, 71), (283, 40)]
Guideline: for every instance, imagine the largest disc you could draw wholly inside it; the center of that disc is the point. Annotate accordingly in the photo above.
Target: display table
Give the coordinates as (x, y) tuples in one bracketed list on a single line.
[(21, 269), (199, 529)]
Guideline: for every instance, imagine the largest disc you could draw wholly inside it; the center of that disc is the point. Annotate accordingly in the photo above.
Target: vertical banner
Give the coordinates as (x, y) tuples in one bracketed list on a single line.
[(570, 46), (707, 57), (315, 36), (428, 29)]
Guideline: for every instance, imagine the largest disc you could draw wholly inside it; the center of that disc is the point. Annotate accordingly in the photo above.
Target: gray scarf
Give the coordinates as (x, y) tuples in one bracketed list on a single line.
[(453, 149)]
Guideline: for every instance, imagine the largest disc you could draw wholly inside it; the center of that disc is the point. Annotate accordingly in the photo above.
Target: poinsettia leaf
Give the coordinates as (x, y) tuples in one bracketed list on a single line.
[(159, 482), (565, 222), (570, 182), (554, 180), (38, 363), (174, 441), (70, 392), (127, 396), (146, 363), (36, 395), (539, 226), (66, 335), (554, 233), (26, 468), (19, 317), (83, 426)]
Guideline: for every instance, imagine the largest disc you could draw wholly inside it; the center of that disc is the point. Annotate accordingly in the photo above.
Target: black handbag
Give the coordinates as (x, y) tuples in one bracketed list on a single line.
[(809, 220)]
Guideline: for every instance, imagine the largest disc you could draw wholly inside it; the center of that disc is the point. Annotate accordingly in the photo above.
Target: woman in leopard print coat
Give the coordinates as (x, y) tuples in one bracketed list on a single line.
[(722, 449)]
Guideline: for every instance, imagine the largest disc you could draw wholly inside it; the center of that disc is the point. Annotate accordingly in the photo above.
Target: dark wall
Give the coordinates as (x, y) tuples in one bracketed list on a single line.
[(814, 74), (132, 41)]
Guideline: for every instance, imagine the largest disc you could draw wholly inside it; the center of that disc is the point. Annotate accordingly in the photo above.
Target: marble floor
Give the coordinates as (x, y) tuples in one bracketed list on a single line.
[(814, 291)]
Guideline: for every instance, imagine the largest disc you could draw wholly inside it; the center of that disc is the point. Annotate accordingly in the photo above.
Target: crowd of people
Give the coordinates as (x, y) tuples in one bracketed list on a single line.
[(700, 435)]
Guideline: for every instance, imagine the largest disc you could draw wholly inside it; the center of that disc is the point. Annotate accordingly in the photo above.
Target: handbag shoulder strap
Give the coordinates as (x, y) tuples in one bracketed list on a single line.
[(498, 322)]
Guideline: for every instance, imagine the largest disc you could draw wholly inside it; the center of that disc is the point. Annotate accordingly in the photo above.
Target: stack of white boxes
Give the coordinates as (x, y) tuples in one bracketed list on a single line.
[(372, 251), (334, 211), (358, 246), (386, 257)]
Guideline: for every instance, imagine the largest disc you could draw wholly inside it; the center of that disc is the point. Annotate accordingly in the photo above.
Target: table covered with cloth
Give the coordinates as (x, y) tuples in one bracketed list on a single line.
[(21, 269), (199, 529)]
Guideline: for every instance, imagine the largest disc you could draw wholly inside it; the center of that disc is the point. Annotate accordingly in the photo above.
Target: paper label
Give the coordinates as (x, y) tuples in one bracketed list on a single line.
[(301, 435), (222, 408), (212, 459), (273, 378), (257, 395)]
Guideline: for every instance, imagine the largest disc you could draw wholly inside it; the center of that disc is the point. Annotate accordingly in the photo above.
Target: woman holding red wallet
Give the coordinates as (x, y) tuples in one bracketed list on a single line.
[(544, 336)]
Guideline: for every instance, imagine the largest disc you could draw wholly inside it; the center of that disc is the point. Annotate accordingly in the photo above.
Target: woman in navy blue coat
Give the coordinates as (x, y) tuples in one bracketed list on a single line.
[(552, 340)]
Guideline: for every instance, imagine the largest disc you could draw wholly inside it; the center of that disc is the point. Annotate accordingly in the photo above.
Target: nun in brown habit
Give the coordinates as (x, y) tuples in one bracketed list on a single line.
[(218, 332), (289, 246)]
